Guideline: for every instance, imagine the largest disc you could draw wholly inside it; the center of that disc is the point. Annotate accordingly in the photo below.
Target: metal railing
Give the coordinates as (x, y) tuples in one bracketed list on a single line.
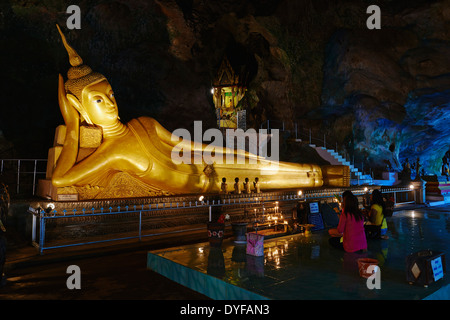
[(299, 133), (401, 195), (137, 213), (21, 175), (306, 134)]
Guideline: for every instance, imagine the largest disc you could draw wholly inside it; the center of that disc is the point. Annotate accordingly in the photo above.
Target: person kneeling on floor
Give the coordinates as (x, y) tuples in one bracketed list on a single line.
[(376, 226), (349, 234)]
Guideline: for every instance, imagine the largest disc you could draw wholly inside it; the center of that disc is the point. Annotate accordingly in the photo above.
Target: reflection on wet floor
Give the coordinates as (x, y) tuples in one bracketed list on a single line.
[(306, 267)]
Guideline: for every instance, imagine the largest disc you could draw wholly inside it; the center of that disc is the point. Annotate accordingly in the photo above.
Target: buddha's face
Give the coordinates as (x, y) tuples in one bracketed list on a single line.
[(99, 103)]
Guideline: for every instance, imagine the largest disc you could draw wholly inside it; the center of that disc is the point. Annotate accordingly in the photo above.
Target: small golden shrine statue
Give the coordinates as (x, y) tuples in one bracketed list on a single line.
[(229, 89)]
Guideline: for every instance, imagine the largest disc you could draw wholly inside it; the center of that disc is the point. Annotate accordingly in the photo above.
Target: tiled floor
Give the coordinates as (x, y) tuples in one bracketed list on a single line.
[(306, 267)]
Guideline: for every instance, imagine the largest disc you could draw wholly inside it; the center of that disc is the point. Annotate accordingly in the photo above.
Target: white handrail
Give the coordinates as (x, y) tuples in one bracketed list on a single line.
[(17, 163)]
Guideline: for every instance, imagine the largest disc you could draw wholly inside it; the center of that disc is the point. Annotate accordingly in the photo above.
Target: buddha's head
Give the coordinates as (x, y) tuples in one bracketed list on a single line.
[(89, 92)]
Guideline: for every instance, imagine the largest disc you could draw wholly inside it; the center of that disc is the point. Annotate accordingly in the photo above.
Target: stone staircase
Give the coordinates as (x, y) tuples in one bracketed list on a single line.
[(356, 177)]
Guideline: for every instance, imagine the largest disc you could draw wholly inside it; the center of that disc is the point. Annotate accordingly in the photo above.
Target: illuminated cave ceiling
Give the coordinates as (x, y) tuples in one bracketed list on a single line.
[(382, 93)]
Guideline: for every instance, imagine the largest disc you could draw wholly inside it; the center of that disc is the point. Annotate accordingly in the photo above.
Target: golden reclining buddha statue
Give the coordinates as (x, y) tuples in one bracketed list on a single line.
[(96, 156)]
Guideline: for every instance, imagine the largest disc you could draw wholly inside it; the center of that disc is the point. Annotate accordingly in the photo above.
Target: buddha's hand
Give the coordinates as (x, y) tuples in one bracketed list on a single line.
[(69, 152), (69, 113)]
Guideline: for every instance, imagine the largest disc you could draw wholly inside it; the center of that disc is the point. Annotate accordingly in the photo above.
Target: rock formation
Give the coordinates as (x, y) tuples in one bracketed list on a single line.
[(379, 95), (395, 83)]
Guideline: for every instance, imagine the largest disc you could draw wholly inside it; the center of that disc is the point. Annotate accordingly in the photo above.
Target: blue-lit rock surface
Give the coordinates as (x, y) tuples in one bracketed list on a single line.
[(426, 130), (395, 82)]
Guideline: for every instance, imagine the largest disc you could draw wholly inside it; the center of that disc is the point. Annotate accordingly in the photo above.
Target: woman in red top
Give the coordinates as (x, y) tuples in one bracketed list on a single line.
[(349, 234)]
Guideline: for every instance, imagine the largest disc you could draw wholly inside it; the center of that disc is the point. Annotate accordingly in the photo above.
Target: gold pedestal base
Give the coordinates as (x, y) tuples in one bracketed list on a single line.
[(122, 185)]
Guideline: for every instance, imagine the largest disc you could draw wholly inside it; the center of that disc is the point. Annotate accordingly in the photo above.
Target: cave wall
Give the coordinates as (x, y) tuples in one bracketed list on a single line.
[(379, 95), (395, 83), (159, 56)]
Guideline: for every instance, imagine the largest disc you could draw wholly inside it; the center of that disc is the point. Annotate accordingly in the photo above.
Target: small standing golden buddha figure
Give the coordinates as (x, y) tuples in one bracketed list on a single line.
[(223, 186), (247, 186), (237, 186)]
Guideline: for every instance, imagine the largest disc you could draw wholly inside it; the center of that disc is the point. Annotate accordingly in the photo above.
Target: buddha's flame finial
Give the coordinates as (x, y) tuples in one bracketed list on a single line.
[(74, 58), (79, 75)]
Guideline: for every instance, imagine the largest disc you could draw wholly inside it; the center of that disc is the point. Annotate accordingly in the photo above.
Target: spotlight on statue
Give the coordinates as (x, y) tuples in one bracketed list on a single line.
[(50, 207)]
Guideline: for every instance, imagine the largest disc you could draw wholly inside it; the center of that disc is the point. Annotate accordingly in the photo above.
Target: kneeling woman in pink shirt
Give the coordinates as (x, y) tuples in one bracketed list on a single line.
[(349, 234)]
